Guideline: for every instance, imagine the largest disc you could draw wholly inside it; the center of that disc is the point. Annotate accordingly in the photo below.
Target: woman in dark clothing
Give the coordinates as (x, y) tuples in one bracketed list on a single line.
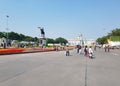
[(86, 50)]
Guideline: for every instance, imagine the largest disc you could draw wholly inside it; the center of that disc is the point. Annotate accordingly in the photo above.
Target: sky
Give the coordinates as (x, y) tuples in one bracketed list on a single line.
[(60, 18)]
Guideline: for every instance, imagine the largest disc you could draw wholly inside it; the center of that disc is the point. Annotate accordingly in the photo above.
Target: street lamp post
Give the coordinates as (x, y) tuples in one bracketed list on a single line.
[(7, 30), (39, 38)]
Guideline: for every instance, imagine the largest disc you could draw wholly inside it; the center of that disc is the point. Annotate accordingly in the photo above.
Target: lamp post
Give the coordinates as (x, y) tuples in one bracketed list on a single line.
[(39, 38), (7, 29)]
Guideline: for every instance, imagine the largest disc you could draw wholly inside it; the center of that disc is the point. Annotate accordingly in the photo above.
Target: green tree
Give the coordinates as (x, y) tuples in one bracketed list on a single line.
[(13, 36), (49, 40), (115, 32), (2, 34), (35, 39), (102, 40), (28, 38), (22, 37), (61, 40), (113, 35)]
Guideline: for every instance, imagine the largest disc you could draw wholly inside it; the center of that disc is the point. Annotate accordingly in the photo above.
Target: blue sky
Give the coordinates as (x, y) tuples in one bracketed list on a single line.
[(61, 18)]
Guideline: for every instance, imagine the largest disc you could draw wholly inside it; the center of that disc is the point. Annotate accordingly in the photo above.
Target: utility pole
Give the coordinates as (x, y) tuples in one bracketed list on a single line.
[(40, 36), (7, 30)]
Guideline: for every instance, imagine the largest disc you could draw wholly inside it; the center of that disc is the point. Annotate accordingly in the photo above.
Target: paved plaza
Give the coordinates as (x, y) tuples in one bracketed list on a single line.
[(56, 69)]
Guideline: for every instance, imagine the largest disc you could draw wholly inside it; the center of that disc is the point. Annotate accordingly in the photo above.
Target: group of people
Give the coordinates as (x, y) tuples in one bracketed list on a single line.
[(87, 51)]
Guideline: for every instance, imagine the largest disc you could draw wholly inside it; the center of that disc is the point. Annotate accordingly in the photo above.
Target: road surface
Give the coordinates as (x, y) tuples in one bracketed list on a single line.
[(56, 69)]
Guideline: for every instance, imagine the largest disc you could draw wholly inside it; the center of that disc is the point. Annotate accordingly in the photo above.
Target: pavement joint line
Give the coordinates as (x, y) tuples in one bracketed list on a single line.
[(86, 70)]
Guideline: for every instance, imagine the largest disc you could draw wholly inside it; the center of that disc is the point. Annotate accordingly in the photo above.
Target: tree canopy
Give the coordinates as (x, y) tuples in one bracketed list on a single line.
[(57, 40), (49, 40), (16, 36), (115, 32), (102, 40), (114, 35), (61, 40)]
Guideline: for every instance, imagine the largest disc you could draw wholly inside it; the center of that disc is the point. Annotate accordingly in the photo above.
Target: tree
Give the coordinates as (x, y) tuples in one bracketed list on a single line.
[(115, 32), (49, 40), (2, 34), (13, 36), (102, 40), (22, 37), (61, 40), (113, 35), (28, 38)]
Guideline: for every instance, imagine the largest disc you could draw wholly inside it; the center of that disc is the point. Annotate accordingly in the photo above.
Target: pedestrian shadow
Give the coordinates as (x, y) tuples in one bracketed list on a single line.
[(68, 55)]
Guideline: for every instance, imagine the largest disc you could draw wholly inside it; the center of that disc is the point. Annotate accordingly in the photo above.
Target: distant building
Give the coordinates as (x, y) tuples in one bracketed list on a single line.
[(74, 42), (80, 41)]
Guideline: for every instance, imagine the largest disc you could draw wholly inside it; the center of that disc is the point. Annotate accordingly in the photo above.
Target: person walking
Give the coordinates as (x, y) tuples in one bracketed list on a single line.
[(80, 49), (77, 48), (108, 48), (105, 48), (90, 51), (67, 52), (95, 48), (86, 51)]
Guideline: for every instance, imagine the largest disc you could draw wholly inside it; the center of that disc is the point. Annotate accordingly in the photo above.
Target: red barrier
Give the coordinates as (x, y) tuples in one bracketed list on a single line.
[(24, 50)]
